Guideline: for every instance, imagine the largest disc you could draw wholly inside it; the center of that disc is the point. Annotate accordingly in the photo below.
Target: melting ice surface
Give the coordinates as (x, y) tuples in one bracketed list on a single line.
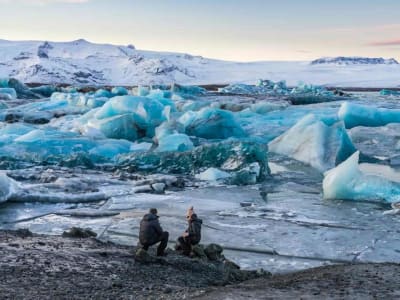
[(101, 159)]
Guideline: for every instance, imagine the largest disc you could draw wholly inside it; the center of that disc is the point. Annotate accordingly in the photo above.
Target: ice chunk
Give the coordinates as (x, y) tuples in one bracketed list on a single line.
[(103, 93), (137, 116), (119, 91), (348, 182), (315, 141), (212, 174), (212, 124), (174, 142), (116, 127), (189, 90), (8, 94), (385, 92), (8, 187), (45, 90), (362, 115), (23, 92)]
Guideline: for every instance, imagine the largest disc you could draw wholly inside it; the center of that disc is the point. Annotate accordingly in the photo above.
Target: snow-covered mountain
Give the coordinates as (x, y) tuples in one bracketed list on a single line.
[(355, 60), (84, 63)]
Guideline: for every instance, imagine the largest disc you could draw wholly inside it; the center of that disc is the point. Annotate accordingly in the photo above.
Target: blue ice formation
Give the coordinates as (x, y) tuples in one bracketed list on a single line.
[(45, 90), (127, 117), (178, 142), (354, 115), (261, 87), (119, 91), (79, 99), (103, 93), (170, 137), (319, 142), (188, 90), (348, 182), (23, 91), (22, 143), (211, 123), (8, 94), (386, 92)]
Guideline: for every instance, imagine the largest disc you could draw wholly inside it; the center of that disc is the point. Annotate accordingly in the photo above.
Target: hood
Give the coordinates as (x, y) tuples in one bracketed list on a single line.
[(194, 218), (150, 217)]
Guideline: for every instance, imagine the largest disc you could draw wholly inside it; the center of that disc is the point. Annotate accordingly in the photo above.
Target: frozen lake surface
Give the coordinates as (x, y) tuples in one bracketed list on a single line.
[(285, 212)]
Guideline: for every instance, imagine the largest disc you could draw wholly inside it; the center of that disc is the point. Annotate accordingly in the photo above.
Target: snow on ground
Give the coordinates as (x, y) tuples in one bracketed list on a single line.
[(82, 62)]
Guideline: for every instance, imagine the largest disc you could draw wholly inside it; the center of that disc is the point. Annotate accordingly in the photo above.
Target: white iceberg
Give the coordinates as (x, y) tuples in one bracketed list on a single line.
[(323, 144)]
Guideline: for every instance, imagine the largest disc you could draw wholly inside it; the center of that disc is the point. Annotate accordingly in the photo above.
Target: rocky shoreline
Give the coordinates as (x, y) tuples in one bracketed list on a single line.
[(56, 267)]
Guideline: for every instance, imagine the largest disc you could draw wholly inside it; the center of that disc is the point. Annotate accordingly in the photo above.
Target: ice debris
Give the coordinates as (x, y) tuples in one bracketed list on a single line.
[(385, 92), (228, 156), (348, 182), (213, 174), (211, 123), (8, 187), (363, 115), (320, 142)]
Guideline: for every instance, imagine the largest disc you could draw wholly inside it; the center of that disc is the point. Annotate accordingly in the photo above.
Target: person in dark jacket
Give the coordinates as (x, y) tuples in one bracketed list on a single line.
[(192, 234), (151, 232)]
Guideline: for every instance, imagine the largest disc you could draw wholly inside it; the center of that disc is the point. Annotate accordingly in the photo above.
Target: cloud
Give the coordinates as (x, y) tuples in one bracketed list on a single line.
[(386, 43)]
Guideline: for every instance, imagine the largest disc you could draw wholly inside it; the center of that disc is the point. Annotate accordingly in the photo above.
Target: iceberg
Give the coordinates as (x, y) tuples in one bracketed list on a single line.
[(8, 94), (319, 142), (8, 187), (23, 92), (115, 127), (354, 115), (211, 123), (189, 90), (45, 90), (174, 142), (119, 91), (348, 182), (126, 117)]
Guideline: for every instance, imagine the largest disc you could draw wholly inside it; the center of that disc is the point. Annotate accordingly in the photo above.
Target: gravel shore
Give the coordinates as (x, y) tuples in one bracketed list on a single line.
[(53, 267)]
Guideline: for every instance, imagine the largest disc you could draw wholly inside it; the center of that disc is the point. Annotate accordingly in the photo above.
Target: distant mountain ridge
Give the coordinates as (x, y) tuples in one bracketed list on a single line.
[(81, 62), (355, 60)]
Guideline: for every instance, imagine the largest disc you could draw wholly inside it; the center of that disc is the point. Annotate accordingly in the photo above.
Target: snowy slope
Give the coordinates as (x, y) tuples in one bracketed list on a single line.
[(82, 62)]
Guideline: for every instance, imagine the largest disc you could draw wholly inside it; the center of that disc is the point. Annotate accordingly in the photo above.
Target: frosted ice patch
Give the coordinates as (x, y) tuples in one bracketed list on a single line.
[(213, 174)]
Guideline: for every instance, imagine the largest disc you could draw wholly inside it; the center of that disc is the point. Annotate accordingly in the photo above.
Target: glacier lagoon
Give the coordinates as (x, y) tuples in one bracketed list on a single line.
[(101, 159)]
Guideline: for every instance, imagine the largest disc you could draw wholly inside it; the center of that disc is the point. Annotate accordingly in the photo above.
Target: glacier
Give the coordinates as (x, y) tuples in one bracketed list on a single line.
[(348, 182), (321, 143)]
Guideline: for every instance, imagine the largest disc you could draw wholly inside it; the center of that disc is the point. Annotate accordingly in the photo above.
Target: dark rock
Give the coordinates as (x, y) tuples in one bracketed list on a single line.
[(23, 233), (213, 251), (198, 251), (76, 232)]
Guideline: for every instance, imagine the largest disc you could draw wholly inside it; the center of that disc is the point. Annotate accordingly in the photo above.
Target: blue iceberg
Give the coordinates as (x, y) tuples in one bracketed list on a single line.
[(212, 123), (354, 115), (348, 182)]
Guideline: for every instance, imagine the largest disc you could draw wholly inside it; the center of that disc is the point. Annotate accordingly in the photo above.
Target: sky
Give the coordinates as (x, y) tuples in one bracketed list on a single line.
[(239, 30)]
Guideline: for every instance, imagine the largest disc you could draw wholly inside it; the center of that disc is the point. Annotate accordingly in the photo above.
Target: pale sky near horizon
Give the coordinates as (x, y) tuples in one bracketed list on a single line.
[(238, 30)]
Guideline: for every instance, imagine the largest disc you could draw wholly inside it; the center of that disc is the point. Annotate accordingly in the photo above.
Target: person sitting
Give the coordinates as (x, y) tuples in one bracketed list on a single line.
[(192, 235), (151, 233)]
